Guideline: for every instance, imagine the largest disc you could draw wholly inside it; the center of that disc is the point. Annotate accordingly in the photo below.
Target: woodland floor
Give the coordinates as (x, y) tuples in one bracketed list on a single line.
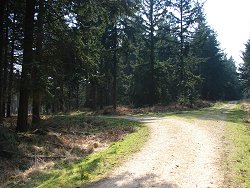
[(185, 149), (181, 152), (57, 138)]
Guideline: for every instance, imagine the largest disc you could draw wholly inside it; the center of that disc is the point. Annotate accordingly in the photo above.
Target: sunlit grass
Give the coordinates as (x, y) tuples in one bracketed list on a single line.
[(94, 166), (239, 156)]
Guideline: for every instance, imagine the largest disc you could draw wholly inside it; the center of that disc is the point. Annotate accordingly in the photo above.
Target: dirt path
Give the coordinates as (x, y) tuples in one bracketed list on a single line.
[(179, 153)]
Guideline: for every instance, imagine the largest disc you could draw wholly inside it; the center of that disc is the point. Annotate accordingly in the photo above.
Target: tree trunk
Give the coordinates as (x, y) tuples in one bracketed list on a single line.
[(101, 97), (182, 66), (152, 88), (69, 98), (93, 95), (77, 96), (10, 84), (2, 10), (22, 119), (115, 71), (36, 75), (5, 65), (11, 69)]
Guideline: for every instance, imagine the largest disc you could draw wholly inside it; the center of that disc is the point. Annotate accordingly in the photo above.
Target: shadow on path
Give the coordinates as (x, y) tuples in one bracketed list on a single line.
[(150, 180)]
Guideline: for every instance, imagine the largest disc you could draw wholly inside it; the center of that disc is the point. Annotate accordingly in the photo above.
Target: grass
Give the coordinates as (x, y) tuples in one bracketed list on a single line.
[(94, 166), (239, 156)]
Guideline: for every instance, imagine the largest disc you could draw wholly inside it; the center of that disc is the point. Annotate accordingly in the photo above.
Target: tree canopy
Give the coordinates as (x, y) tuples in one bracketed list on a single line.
[(60, 56)]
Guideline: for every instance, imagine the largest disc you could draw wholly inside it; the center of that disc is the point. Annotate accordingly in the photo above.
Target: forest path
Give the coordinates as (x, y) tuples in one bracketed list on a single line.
[(183, 151)]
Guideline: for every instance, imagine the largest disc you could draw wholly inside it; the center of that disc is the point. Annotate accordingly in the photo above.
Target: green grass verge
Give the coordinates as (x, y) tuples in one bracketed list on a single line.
[(238, 133), (94, 166)]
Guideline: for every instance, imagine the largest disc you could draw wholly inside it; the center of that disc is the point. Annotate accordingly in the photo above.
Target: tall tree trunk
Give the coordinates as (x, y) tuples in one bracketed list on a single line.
[(101, 97), (61, 96), (11, 67), (22, 119), (115, 70), (152, 88), (93, 94), (2, 10), (77, 96), (182, 79), (36, 75), (5, 65), (69, 98)]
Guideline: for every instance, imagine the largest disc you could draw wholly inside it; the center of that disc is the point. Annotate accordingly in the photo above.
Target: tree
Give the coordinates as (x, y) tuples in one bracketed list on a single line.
[(153, 12), (11, 68), (36, 73), (94, 53), (185, 14), (245, 69), (22, 124), (12, 56), (218, 73), (231, 80), (206, 47), (2, 13)]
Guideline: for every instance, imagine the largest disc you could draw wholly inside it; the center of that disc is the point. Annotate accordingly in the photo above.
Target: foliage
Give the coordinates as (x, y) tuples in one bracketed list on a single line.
[(218, 73), (245, 69), (100, 53)]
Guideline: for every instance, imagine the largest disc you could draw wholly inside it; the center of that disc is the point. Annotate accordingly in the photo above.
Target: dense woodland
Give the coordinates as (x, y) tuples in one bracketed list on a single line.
[(60, 56)]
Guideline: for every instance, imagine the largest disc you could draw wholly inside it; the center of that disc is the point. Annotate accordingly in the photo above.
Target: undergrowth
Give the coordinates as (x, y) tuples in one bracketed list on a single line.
[(68, 173)]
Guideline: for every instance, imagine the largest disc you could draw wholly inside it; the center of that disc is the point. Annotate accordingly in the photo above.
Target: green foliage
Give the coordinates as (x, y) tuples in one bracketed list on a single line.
[(218, 74), (142, 50), (245, 70), (141, 85)]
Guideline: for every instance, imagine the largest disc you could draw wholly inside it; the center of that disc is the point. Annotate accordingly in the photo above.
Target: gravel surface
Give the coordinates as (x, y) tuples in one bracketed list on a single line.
[(180, 153)]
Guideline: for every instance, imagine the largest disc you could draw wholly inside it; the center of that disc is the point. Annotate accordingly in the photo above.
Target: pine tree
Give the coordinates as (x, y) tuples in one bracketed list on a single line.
[(245, 69), (186, 14), (22, 124), (36, 73), (2, 14), (152, 13)]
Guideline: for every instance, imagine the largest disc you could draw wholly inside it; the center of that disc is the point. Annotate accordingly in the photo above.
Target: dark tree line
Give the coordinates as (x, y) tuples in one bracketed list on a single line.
[(245, 70), (59, 56)]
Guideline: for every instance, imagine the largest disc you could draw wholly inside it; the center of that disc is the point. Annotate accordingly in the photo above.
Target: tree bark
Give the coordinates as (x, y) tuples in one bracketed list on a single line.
[(77, 97), (152, 88), (5, 64), (11, 67), (2, 10), (101, 97), (115, 69), (36, 75), (94, 95), (22, 119), (182, 46)]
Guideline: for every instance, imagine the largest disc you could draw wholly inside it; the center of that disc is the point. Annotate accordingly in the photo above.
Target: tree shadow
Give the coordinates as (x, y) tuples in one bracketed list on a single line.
[(149, 180), (222, 114), (142, 119)]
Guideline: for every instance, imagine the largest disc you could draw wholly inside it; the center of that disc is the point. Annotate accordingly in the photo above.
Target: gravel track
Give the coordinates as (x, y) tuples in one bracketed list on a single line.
[(179, 153)]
